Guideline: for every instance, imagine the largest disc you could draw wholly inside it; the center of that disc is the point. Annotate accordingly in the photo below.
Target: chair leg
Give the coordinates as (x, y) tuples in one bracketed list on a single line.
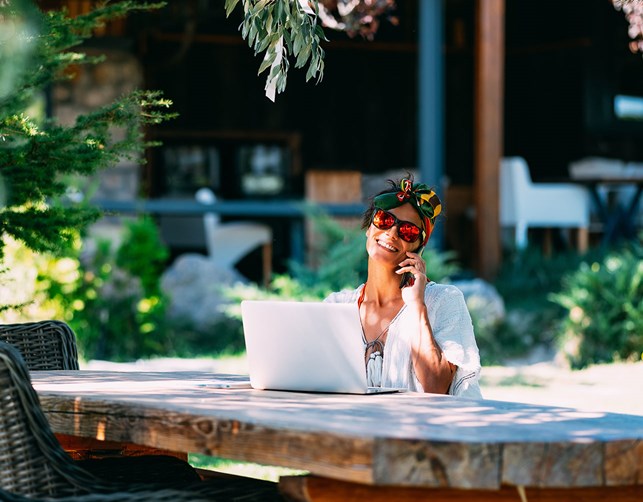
[(582, 239), (266, 254), (548, 245), (521, 235)]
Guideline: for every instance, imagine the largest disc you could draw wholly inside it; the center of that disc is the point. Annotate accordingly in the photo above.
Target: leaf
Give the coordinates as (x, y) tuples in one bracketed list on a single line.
[(299, 43), (229, 6), (288, 40), (263, 45), (274, 72), (319, 31), (267, 61), (279, 11), (281, 82), (312, 68), (303, 56)]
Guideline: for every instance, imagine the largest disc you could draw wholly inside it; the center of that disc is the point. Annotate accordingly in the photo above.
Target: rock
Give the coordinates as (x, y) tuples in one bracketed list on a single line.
[(194, 285), (483, 300)]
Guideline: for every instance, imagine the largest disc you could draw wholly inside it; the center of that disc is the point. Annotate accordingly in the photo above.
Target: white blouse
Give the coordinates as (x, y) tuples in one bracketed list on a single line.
[(452, 330)]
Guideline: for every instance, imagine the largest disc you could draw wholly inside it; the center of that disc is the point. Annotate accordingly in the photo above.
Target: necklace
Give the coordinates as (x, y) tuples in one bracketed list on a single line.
[(374, 360)]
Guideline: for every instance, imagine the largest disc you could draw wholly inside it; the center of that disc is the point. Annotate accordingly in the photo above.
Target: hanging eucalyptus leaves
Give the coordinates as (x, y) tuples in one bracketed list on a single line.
[(283, 29)]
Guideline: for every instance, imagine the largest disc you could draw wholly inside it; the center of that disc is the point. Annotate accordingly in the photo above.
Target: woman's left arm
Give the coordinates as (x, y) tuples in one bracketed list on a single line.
[(433, 370)]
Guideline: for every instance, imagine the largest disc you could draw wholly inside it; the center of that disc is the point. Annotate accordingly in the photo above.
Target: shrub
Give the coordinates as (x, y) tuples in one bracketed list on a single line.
[(114, 302), (604, 303), (525, 282)]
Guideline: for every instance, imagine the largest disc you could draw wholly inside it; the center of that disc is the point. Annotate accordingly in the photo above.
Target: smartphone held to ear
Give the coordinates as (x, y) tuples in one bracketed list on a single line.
[(407, 277), (407, 280)]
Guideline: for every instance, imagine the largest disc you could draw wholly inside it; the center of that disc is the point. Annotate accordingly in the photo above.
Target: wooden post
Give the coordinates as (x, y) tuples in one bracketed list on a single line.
[(488, 134)]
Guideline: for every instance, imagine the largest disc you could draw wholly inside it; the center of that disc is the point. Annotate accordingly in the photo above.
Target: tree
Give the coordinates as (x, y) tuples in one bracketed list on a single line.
[(283, 28), (36, 154)]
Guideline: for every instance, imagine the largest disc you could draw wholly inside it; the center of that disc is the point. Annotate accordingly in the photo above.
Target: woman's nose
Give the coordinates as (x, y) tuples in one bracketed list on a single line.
[(393, 231)]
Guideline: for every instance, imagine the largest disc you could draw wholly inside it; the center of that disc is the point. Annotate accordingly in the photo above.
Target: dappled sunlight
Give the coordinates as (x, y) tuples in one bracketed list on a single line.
[(417, 416)]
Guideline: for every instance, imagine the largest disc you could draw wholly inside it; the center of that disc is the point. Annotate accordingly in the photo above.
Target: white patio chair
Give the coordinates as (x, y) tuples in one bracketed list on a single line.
[(524, 204), (227, 242)]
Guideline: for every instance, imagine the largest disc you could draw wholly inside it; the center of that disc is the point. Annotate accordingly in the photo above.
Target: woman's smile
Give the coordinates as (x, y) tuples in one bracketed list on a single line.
[(387, 246)]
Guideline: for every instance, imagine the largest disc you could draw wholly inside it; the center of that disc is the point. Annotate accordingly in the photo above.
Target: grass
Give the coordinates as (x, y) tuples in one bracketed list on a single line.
[(247, 469)]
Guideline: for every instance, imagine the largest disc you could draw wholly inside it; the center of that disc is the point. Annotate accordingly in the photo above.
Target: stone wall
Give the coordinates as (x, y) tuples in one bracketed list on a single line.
[(90, 87)]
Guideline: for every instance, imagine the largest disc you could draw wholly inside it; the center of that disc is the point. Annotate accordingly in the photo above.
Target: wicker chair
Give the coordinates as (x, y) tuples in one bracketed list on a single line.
[(33, 464), (51, 345), (44, 345)]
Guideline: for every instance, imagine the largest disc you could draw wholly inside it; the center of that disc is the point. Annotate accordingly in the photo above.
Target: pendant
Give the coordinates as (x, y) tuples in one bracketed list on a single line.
[(374, 369)]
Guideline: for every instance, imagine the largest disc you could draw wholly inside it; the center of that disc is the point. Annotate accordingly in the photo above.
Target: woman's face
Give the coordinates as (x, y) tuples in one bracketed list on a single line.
[(386, 245)]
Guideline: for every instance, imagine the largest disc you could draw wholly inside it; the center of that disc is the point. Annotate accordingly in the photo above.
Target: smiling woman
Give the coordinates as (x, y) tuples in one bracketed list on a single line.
[(417, 334)]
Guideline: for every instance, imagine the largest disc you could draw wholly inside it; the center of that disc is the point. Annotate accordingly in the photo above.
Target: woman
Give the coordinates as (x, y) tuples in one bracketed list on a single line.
[(417, 334)]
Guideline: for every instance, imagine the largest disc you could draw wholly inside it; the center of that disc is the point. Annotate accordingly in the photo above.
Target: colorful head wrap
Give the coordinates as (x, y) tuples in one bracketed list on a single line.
[(423, 199)]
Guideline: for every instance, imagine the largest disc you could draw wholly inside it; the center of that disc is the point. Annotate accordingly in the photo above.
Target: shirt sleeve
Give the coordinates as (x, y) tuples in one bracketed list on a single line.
[(453, 331)]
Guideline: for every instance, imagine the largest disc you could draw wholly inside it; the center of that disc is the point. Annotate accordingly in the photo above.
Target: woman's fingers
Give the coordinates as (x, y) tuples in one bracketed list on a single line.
[(414, 261)]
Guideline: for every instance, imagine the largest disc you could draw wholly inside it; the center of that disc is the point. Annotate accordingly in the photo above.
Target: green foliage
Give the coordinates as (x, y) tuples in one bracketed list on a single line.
[(114, 302), (36, 156), (282, 28), (604, 302), (145, 256), (527, 277), (525, 281), (237, 468)]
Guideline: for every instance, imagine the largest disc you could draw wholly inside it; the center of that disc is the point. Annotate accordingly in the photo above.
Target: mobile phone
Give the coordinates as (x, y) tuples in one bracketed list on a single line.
[(407, 277), (407, 280)]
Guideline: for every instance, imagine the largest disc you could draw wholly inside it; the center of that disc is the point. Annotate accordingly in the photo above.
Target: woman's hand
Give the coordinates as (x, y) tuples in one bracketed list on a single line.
[(413, 294)]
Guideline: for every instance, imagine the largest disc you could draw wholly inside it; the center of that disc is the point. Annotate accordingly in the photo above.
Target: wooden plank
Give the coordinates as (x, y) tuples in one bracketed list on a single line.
[(327, 455), (439, 464), (83, 448), (458, 206), (488, 142), (316, 489), (624, 463), (553, 464)]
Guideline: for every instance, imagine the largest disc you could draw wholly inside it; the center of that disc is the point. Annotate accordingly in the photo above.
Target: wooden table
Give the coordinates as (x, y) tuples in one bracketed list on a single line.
[(377, 447), (619, 220)]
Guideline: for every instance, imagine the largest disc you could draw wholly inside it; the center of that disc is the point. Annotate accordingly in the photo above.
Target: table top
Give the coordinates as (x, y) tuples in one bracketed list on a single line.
[(608, 180), (387, 439)]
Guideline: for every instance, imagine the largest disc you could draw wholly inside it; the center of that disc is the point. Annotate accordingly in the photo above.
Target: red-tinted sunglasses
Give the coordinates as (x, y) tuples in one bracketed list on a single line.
[(407, 231)]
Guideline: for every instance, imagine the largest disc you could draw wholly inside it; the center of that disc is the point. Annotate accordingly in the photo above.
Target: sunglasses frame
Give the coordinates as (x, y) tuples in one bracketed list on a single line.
[(396, 223)]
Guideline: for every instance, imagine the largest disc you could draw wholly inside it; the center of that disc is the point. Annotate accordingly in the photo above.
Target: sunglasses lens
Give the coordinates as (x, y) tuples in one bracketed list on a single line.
[(383, 220), (409, 232)]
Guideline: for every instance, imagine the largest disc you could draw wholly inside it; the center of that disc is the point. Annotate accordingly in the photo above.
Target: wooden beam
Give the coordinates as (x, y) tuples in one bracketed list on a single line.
[(488, 134), (83, 448), (317, 489)]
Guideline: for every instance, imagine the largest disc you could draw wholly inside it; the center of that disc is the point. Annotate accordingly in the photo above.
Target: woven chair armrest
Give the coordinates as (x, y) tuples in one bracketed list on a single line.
[(166, 495)]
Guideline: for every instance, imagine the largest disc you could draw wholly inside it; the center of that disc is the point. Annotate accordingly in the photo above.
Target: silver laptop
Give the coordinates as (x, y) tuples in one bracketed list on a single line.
[(305, 346)]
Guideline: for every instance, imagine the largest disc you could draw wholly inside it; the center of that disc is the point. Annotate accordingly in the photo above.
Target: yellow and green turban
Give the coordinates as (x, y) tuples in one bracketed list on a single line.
[(420, 196)]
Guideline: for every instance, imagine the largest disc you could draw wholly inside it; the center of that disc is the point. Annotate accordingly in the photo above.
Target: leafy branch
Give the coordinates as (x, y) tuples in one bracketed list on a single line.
[(283, 29), (37, 155)]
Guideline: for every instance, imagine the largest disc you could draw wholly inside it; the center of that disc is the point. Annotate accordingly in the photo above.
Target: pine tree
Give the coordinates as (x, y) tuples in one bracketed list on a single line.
[(36, 155)]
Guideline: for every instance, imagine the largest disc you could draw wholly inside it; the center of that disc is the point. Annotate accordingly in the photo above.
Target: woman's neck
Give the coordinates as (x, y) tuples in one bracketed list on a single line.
[(382, 286)]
